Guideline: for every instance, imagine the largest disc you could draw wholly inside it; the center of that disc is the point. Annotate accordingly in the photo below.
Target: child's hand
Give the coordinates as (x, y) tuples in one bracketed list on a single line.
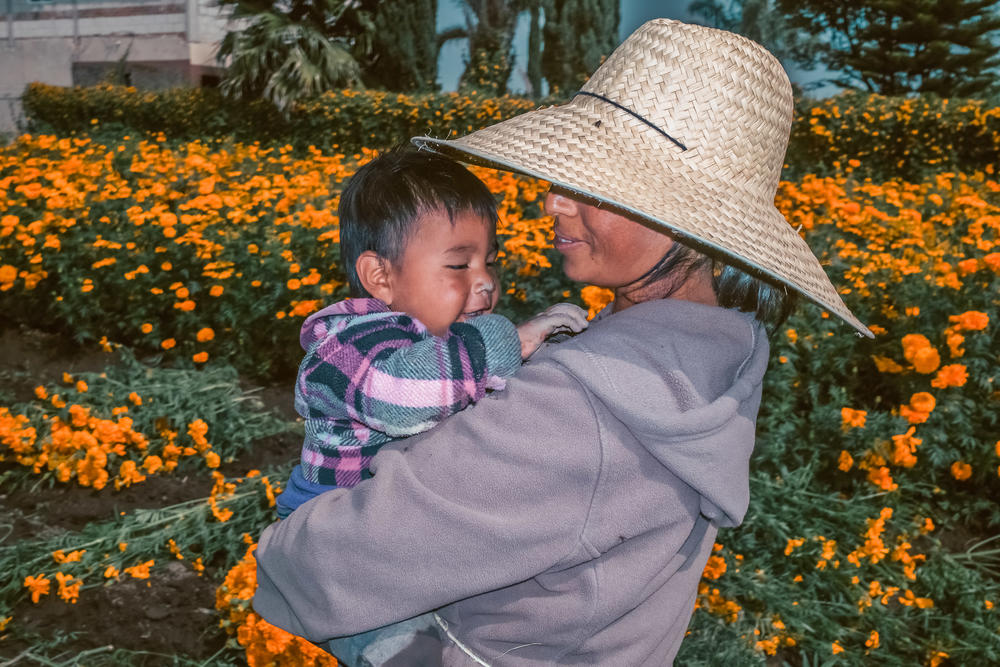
[(557, 318)]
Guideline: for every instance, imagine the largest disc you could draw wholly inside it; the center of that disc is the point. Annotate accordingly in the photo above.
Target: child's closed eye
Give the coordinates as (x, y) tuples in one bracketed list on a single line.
[(457, 267)]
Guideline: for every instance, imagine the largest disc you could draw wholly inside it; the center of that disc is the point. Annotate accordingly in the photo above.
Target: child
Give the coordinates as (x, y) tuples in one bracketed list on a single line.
[(419, 341)]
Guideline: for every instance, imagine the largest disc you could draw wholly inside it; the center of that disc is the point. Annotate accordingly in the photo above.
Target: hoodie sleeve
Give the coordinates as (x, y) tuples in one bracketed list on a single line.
[(474, 505), (392, 376)]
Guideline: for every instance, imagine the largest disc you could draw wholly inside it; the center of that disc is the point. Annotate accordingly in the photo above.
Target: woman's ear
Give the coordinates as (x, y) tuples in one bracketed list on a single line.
[(375, 274)]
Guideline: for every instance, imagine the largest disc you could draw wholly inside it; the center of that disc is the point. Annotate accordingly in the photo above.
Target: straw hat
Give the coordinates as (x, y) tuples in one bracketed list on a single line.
[(684, 126)]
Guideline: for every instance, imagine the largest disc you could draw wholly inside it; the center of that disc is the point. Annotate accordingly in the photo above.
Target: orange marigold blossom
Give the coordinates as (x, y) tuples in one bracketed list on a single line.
[(904, 447), (38, 585), (886, 365), (851, 418), (971, 320), (140, 571), (205, 334), (961, 470), (168, 343), (845, 460), (200, 357), (146, 327), (714, 568), (69, 587), (952, 375)]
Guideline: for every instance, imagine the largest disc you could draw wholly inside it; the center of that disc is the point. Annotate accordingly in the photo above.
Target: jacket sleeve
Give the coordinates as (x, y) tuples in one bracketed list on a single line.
[(395, 378), (493, 496)]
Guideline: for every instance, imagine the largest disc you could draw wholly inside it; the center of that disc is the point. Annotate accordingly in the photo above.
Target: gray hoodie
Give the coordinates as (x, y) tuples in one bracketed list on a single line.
[(563, 521)]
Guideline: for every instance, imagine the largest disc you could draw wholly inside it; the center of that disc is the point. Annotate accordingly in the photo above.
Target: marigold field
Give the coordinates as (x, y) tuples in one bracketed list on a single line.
[(151, 292)]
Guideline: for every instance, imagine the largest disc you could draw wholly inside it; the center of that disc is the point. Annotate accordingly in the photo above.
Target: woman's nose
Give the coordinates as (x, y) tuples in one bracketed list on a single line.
[(557, 203)]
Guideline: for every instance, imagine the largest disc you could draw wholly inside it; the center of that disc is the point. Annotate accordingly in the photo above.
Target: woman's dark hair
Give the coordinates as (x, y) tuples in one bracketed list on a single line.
[(770, 302), (382, 202)]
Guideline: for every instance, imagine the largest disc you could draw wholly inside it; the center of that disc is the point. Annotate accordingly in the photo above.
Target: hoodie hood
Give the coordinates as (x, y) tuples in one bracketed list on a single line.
[(692, 374), (334, 318)]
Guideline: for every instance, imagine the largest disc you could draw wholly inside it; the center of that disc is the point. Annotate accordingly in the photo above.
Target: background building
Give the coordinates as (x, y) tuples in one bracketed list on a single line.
[(150, 44)]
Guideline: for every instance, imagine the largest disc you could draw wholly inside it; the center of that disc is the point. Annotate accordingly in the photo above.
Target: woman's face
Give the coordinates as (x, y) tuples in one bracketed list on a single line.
[(601, 247), (609, 250)]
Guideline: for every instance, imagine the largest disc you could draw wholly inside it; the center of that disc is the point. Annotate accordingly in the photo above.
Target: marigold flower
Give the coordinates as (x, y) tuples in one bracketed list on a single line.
[(904, 447), (595, 298), (936, 658), (200, 357), (873, 639), (952, 375), (836, 648), (961, 470), (41, 393), (146, 328), (135, 398), (168, 343), (926, 360), (81, 387), (971, 320), (69, 587), (39, 585), (110, 572), (845, 460), (205, 334), (886, 365), (715, 567), (851, 418), (216, 290), (140, 571)]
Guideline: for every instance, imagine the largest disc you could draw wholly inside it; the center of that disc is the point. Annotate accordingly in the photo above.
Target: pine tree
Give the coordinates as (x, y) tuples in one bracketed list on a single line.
[(896, 47), (578, 35), (763, 22)]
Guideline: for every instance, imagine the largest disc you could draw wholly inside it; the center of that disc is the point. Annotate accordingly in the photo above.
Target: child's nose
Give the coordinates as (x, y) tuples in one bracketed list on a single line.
[(484, 283)]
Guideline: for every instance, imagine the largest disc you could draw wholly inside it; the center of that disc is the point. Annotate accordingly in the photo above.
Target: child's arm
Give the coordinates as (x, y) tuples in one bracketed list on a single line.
[(392, 376)]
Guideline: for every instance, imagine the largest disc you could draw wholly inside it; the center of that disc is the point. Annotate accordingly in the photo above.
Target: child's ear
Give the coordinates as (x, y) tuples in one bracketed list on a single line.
[(375, 274)]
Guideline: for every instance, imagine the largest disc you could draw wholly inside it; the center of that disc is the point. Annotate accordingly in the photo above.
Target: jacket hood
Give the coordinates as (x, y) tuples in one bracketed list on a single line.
[(687, 385), (334, 317)]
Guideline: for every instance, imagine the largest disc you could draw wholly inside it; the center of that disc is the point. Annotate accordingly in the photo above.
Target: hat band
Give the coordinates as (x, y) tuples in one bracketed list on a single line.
[(634, 114)]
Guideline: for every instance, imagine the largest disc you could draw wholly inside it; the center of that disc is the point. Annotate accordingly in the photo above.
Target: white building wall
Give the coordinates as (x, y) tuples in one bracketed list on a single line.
[(42, 41)]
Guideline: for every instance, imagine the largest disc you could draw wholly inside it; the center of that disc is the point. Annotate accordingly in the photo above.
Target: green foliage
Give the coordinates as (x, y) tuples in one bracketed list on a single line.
[(895, 47), (347, 120), (892, 137), (287, 51), (578, 35), (763, 22), (404, 47)]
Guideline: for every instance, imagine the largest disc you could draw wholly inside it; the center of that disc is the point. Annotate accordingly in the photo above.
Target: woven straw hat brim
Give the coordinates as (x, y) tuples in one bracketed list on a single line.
[(591, 149)]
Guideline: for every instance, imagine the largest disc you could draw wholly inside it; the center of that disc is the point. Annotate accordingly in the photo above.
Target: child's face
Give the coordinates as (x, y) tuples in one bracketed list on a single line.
[(447, 273)]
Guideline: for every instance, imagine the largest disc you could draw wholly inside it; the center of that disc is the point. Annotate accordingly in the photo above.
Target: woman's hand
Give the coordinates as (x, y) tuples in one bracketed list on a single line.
[(558, 318)]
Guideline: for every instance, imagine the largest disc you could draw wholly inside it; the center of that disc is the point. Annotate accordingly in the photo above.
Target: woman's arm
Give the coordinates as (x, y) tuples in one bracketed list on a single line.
[(391, 376), (493, 496)]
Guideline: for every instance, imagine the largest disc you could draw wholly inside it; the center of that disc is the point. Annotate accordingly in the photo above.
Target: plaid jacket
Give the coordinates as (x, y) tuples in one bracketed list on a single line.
[(371, 375)]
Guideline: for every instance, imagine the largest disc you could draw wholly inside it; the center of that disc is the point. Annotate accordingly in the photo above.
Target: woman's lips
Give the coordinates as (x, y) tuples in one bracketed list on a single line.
[(561, 242)]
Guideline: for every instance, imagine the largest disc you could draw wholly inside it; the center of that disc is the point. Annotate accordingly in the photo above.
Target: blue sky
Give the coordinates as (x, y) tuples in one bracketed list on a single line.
[(633, 14)]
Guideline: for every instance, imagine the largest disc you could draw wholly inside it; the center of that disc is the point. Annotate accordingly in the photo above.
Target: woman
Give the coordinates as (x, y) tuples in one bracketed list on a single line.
[(567, 519)]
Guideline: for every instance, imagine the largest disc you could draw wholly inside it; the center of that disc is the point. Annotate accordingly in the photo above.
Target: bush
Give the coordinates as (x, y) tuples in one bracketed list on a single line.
[(875, 136), (348, 120), (884, 138)]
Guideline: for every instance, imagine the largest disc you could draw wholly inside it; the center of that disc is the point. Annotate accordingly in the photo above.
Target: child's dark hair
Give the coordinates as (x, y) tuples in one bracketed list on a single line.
[(384, 198)]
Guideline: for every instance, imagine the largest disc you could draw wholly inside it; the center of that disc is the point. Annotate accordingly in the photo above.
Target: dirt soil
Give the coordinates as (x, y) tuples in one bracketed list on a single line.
[(173, 616)]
